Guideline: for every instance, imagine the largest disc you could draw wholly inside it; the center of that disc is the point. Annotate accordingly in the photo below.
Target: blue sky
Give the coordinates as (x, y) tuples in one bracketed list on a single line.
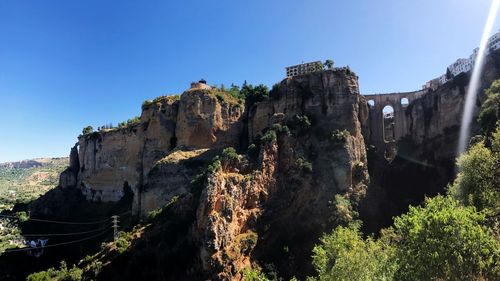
[(68, 64)]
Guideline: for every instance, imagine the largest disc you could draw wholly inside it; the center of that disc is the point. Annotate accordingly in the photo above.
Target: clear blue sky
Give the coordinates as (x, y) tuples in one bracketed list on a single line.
[(67, 64)]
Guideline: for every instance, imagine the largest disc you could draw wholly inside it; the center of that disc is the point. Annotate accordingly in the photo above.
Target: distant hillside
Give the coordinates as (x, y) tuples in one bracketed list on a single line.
[(26, 180)]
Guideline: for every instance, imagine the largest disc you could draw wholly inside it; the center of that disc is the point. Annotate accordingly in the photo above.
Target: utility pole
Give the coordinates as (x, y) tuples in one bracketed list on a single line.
[(115, 227)]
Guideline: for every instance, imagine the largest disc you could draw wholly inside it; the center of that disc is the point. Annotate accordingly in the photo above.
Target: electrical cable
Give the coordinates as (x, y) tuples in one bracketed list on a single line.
[(63, 234), (59, 222), (56, 245)]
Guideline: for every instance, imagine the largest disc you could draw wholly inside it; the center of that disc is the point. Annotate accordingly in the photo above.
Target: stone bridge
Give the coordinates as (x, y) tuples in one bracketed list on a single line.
[(385, 131)]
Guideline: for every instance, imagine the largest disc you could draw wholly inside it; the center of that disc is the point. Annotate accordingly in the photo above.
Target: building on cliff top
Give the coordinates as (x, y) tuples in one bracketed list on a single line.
[(304, 68), (463, 65), (200, 85)]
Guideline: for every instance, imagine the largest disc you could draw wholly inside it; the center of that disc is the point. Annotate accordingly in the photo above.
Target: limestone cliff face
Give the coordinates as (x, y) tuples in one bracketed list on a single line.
[(307, 147), (113, 160), (206, 122), (249, 211)]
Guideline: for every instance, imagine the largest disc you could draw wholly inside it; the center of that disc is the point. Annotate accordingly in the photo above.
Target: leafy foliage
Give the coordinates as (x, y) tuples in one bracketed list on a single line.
[(269, 137), (490, 110), (254, 275), (445, 241), (304, 165), (254, 94), (339, 136), (328, 64), (87, 130), (345, 255), (129, 122), (61, 274), (301, 122), (342, 211)]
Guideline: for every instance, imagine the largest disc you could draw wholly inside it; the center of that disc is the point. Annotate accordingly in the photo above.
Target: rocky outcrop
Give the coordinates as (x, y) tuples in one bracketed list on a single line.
[(204, 121), (69, 176), (249, 209), (307, 147)]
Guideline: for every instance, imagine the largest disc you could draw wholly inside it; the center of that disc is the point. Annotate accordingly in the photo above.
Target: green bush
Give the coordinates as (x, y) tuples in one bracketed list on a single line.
[(301, 122), (339, 136), (342, 212), (304, 165), (269, 137), (345, 255), (229, 154), (122, 245), (489, 113), (61, 274), (252, 274), (254, 94), (443, 240), (87, 130), (22, 216), (39, 276), (282, 129)]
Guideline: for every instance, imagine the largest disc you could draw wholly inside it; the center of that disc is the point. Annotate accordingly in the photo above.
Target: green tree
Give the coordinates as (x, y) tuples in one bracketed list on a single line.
[(478, 182), (329, 64), (254, 94), (489, 113), (444, 240), (345, 255), (87, 130)]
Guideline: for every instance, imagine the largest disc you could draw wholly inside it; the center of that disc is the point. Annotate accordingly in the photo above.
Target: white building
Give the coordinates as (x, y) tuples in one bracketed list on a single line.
[(304, 68), (465, 65), (460, 66), (494, 42)]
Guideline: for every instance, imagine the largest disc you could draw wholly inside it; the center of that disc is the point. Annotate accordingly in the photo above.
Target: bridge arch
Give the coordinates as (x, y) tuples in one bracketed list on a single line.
[(400, 102)]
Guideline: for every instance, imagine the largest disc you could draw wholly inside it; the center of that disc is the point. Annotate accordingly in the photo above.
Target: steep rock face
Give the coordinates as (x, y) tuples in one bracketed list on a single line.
[(424, 162), (113, 160), (230, 207), (171, 177), (205, 122), (248, 214)]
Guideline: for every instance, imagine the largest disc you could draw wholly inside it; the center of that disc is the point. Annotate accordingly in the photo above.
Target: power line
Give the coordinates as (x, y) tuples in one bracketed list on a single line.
[(63, 234), (56, 245), (58, 222)]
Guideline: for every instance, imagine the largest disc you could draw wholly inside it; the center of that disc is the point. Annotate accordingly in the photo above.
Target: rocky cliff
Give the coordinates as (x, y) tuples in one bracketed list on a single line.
[(306, 146)]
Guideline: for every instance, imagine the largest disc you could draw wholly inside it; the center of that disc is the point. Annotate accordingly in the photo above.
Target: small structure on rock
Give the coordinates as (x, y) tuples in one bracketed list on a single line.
[(200, 85), (304, 68)]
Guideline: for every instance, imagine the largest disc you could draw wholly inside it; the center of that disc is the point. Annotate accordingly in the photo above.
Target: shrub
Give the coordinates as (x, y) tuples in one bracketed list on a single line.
[(342, 211), (87, 130), (443, 240), (122, 245), (345, 255), (252, 274), (22, 216), (39, 276), (338, 136), (269, 137), (304, 165), (301, 122), (215, 166), (489, 114), (254, 94), (282, 129), (229, 154)]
